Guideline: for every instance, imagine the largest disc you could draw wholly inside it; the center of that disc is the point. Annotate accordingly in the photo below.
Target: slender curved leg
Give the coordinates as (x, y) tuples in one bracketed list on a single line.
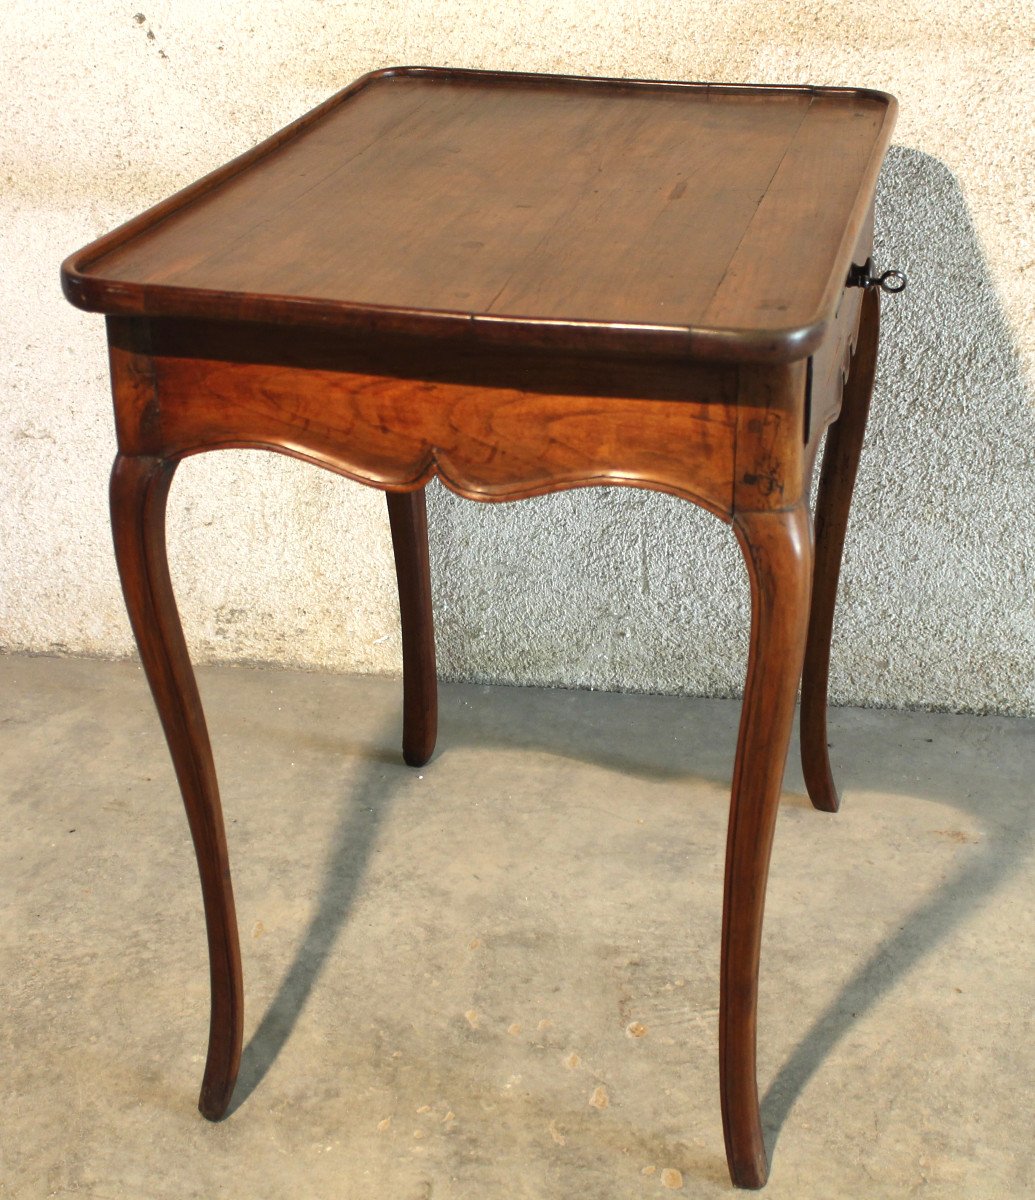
[(840, 464), (408, 516), (778, 549), (139, 487)]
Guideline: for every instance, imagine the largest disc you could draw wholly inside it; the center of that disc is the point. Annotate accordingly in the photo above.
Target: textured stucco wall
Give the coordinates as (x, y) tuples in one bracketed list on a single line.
[(109, 107)]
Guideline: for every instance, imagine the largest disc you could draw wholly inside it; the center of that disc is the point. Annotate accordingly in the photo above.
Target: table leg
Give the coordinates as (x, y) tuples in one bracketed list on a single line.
[(139, 488), (778, 549), (408, 516), (840, 464)]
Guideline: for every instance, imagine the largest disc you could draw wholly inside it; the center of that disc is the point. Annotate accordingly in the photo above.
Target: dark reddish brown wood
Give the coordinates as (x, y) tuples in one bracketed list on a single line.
[(516, 284), (622, 217), (139, 488), (408, 516), (777, 547), (831, 362), (771, 458), (483, 443), (836, 484)]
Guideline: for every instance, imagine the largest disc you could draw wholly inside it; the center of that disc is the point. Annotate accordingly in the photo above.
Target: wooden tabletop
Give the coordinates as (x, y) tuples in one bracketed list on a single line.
[(715, 221)]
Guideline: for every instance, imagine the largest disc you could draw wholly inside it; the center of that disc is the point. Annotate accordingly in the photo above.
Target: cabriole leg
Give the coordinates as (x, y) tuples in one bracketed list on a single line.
[(778, 549), (840, 464), (139, 487), (408, 516)]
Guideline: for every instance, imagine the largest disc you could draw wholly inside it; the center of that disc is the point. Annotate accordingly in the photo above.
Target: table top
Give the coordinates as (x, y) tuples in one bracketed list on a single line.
[(627, 217)]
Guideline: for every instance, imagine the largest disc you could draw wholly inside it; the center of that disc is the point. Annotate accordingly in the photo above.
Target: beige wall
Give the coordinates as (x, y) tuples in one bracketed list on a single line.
[(110, 107)]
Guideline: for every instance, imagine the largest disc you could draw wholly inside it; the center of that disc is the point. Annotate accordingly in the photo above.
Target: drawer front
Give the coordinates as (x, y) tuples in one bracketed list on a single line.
[(832, 361)]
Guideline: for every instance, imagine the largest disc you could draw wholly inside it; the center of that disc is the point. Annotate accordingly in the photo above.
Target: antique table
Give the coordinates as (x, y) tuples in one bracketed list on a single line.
[(518, 284)]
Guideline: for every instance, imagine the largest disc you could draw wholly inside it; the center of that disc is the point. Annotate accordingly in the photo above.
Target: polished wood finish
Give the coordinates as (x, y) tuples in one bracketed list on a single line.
[(836, 483), (139, 488), (408, 515), (619, 216), (485, 443), (777, 548), (517, 284)]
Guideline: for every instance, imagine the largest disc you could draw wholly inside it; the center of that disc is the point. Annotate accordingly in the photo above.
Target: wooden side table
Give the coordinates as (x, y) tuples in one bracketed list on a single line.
[(518, 284)]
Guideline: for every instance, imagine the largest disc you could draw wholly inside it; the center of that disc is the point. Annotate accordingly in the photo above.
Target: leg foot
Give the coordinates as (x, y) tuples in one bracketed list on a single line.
[(139, 487), (408, 516), (840, 464), (778, 550)]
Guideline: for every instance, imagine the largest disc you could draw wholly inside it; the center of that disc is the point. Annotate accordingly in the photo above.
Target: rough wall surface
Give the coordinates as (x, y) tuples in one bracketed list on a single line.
[(110, 107)]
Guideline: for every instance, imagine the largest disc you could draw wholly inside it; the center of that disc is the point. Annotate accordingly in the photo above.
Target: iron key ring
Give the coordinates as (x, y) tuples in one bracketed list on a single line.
[(891, 282)]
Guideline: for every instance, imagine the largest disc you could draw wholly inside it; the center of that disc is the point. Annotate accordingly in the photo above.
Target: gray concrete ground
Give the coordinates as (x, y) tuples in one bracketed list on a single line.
[(497, 976)]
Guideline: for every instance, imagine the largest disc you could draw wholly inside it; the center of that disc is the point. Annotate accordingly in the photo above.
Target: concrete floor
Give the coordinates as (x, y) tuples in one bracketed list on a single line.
[(447, 969)]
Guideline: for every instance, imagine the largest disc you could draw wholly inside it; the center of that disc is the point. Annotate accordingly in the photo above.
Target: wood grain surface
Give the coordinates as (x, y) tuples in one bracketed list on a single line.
[(517, 284), (632, 217)]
